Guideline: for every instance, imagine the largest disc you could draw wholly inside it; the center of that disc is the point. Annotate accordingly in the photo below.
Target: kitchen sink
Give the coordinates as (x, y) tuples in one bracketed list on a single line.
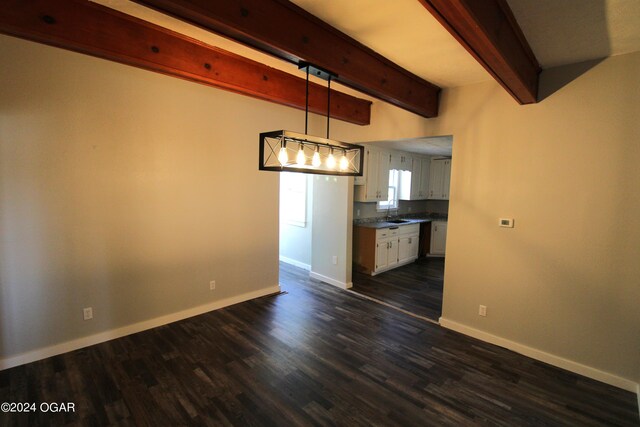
[(398, 221)]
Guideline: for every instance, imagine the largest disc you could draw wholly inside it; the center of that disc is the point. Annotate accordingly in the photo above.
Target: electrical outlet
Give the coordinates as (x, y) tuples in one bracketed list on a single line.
[(482, 310), (334, 259), (409, 209), (212, 285), (358, 212), (87, 313)]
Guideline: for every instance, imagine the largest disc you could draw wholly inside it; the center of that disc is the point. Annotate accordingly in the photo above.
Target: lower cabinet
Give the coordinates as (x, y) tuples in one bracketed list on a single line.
[(438, 237), (408, 248), (378, 250)]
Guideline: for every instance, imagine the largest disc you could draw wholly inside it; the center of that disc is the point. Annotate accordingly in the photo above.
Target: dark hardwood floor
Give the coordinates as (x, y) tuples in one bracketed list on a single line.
[(416, 287), (315, 355)]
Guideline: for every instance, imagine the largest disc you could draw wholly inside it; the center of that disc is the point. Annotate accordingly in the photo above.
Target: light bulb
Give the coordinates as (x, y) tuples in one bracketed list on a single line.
[(331, 161), (315, 161), (300, 159), (283, 157), (344, 163)]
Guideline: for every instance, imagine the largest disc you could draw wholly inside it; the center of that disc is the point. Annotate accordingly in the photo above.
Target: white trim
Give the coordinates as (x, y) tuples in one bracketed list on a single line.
[(329, 280), (386, 304), (549, 358), (54, 350), (295, 262)]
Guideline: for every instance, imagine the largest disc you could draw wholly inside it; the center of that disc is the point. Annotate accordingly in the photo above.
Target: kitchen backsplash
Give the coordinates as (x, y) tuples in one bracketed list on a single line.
[(406, 208)]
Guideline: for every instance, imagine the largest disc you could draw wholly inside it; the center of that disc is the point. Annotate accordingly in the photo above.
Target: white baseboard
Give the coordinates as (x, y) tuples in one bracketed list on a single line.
[(542, 356), (54, 350), (295, 262), (329, 280)]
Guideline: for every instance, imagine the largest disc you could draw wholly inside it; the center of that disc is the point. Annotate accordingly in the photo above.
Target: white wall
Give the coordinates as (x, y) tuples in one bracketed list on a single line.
[(295, 240), (332, 230), (128, 191), (565, 282)]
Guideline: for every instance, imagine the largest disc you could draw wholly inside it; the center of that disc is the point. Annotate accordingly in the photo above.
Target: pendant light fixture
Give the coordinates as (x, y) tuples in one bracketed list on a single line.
[(286, 151)]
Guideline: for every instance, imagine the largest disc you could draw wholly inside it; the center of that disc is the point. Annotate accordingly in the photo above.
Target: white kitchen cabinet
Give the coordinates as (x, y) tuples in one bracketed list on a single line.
[(382, 254), (386, 251), (396, 246), (419, 179), (439, 179), (400, 161), (438, 238), (378, 250), (375, 185), (392, 257), (423, 188), (408, 248)]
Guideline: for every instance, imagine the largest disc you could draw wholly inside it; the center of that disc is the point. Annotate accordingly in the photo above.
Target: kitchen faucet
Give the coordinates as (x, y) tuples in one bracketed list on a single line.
[(389, 212)]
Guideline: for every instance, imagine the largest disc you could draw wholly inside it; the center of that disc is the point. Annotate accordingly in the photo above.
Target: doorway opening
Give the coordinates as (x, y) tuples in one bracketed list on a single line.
[(316, 226), (399, 240)]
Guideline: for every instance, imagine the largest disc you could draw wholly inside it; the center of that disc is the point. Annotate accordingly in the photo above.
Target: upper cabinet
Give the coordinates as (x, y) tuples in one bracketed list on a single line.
[(414, 183), (421, 177), (439, 179), (375, 185), (401, 161)]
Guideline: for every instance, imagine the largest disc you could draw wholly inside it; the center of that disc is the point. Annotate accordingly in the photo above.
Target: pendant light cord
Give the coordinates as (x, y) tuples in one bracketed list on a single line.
[(328, 103), (306, 105)]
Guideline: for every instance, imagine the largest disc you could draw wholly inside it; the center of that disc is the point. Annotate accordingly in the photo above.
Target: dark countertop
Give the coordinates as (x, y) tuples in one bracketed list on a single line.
[(385, 224)]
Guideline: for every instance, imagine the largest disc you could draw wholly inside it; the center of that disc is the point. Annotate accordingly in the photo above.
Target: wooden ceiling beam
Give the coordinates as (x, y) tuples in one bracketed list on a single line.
[(490, 32), (287, 31), (89, 28)]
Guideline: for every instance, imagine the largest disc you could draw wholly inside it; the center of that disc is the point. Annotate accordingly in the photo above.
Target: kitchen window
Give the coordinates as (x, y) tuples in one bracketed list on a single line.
[(394, 187)]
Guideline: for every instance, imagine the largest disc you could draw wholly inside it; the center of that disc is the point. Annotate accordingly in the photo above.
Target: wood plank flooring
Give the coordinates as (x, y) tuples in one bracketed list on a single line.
[(314, 356), (416, 287)]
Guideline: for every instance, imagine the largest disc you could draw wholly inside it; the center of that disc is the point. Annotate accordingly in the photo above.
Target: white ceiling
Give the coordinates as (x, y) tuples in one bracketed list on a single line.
[(429, 145), (404, 32), (568, 31), (559, 32)]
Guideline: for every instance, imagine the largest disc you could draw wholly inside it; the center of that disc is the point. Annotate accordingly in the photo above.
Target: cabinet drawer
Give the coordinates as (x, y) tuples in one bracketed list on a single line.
[(410, 229), (383, 233)]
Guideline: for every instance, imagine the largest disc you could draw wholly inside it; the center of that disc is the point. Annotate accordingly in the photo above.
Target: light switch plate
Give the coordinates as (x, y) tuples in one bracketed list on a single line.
[(506, 222)]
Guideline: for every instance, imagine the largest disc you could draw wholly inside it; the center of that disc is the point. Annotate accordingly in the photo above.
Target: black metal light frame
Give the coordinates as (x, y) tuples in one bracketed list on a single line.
[(271, 143)]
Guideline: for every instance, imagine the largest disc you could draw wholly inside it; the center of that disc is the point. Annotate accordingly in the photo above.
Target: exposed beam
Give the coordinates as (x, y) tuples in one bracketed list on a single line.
[(489, 31), (96, 30), (287, 31)]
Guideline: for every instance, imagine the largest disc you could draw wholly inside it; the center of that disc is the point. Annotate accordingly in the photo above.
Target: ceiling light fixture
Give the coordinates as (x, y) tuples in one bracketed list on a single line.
[(276, 145)]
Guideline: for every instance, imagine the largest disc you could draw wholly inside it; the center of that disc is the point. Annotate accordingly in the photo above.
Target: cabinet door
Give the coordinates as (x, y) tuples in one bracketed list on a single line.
[(392, 256), (435, 179), (384, 160), (425, 178), (404, 248), (446, 179), (414, 242), (438, 237), (406, 162), (382, 254), (368, 191), (396, 161), (372, 175), (416, 170)]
